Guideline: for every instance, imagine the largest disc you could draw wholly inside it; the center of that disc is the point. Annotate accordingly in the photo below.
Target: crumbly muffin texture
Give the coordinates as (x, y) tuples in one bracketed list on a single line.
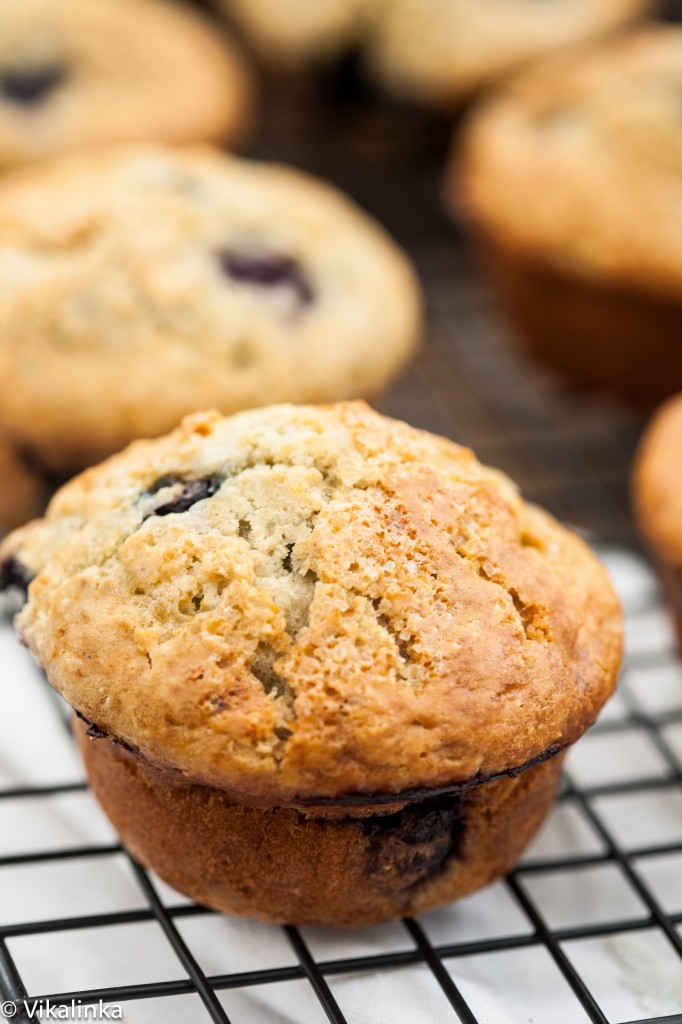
[(597, 135), (79, 73), (433, 51), (140, 284), (299, 604)]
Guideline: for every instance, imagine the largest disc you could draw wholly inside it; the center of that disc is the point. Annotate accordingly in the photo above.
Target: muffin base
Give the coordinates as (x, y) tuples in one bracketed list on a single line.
[(349, 867), (605, 337)]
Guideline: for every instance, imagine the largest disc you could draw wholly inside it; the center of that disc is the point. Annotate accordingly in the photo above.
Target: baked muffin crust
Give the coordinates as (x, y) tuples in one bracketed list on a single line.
[(348, 869), (307, 604), (596, 134)]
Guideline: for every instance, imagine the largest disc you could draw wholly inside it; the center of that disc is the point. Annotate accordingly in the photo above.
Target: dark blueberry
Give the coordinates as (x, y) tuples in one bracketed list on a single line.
[(418, 840), (164, 481), (14, 576), (93, 731), (30, 85), (187, 492), (268, 270), (286, 563)]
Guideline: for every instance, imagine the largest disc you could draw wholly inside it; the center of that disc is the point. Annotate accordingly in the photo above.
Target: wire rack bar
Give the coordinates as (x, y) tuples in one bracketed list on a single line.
[(550, 941), (197, 976), (444, 979), (314, 975)]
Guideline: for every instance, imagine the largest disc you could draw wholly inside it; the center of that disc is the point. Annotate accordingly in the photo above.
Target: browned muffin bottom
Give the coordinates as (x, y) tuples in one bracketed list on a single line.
[(341, 865), (608, 337)]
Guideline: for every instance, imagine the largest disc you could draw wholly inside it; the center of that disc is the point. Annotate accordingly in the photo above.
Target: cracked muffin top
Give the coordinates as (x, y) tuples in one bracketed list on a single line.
[(597, 135), (142, 283), (78, 73), (310, 604), (429, 51)]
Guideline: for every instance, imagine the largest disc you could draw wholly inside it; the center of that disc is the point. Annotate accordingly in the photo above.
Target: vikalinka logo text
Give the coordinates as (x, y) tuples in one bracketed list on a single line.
[(40, 1010)]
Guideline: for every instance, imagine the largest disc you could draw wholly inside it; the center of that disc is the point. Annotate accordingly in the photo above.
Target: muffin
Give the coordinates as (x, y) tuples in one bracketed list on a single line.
[(657, 498), (425, 51), (444, 51), (298, 32), (570, 180), (139, 284), (326, 665), (23, 493), (79, 73)]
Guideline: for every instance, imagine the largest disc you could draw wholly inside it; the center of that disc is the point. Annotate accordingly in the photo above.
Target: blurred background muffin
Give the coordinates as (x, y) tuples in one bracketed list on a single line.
[(657, 499), (138, 284), (298, 32), (443, 51), (79, 73), (425, 51), (571, 181), (23, 493)]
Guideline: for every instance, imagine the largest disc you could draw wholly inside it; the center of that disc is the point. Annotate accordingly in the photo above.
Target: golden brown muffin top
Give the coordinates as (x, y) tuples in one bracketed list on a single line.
[(306, 603), (579, 163), (657, 481)]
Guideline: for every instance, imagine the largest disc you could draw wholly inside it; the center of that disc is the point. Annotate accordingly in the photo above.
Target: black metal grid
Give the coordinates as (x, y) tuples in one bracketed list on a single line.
[(568, 452)]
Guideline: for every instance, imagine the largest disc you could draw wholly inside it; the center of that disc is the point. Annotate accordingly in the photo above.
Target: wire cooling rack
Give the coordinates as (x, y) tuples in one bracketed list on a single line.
[(589, 927)]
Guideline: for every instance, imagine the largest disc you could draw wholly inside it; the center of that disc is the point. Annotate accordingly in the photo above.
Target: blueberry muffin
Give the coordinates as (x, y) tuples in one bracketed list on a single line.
[(570, 180), (23, 493), (326, 665), (657, 498), (426, 51), (79, 73), (140, 284), (299, 32), (443, 51)]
